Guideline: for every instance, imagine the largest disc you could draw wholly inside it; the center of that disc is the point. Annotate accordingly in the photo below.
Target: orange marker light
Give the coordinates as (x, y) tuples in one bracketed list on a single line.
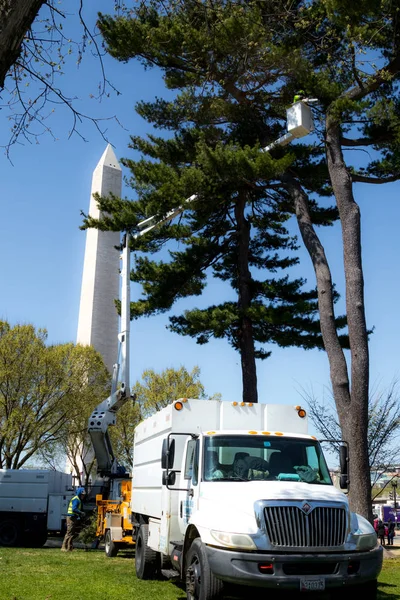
[(184, 399), (278, 433), (234, 403), (210, 432), (302, 413), (178, 405), (253, 432), (249, 404), (242, 404), (266, 432)]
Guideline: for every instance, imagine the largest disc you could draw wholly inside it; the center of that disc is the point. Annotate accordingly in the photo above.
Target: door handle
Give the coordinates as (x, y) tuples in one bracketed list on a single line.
[(181, 509)]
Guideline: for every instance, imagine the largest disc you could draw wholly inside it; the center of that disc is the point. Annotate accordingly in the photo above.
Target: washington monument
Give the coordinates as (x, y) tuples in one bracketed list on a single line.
[(98, 319)]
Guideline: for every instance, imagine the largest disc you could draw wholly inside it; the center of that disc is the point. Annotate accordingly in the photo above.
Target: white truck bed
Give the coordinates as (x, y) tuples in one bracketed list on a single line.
[(24, 490)]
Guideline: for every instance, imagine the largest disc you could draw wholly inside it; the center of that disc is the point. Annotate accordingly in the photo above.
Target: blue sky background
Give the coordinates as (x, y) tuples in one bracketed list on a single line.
[(42, 248)]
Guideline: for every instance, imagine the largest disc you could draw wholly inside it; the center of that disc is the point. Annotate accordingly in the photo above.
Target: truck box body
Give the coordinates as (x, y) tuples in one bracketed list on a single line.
[(29, 490), (196, 416), (388, 512), (32, 502)]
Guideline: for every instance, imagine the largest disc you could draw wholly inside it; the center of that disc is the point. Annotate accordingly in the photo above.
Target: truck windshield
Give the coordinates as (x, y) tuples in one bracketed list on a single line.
[(252, 457)]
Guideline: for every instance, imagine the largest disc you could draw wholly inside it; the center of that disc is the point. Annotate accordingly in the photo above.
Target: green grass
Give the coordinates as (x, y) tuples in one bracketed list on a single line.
[(48, 574), (389, 580)]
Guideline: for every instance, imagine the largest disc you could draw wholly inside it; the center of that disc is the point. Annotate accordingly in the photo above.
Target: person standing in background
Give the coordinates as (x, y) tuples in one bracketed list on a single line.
[(74, 517)]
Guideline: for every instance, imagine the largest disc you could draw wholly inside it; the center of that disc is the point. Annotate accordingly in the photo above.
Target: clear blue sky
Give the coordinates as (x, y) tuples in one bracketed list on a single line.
[(42, 248)]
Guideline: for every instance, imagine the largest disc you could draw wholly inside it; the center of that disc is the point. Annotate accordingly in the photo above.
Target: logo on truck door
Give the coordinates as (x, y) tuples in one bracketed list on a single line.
[(187, 508)]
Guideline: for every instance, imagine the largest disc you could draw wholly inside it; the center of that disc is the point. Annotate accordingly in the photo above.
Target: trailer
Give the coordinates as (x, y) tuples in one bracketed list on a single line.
[(389, 512), (33, 503), (240, 493)]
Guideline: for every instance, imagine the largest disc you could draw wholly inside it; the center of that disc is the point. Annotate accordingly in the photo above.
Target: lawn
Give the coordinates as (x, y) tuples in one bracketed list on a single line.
[(48, 574)]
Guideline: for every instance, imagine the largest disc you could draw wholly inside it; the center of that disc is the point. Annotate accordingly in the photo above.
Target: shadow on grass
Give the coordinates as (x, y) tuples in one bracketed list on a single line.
[(387, 591)]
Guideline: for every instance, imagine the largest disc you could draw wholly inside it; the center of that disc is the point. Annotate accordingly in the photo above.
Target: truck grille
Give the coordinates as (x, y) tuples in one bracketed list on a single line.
[(290, 526)]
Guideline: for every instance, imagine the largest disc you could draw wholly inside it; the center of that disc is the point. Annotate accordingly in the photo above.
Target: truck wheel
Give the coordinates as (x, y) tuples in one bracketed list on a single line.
[(147, 561), (10, 533), (201, 584), (110, 548)]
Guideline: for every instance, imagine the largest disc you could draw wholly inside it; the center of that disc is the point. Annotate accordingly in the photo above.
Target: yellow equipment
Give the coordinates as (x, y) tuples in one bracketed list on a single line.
[(114, 520)]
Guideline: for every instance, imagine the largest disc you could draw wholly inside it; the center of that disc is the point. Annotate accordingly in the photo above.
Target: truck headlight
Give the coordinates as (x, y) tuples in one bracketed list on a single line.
[(365, 541), (240, 541), (362, 533)]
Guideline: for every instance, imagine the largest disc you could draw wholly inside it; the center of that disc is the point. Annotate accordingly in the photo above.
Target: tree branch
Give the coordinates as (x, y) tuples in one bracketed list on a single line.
[(376, 180)]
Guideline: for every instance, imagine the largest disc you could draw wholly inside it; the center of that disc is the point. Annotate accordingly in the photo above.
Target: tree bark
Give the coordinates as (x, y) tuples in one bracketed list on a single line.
[(245, 329), (337, 361), (352, 405), (16, 18), (353, 415)]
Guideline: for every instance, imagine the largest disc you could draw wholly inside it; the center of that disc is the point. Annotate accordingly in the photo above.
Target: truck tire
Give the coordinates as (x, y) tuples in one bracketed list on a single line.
[(110, 548), (10, 533), (147, 561), (201, 584)]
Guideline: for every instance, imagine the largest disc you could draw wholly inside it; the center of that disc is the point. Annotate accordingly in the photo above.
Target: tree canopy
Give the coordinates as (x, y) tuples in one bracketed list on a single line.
[(234, 228), (36, 45), (45, 390)]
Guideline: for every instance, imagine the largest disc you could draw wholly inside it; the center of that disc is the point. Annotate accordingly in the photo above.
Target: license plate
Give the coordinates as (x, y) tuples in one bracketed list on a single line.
[(312, 585)]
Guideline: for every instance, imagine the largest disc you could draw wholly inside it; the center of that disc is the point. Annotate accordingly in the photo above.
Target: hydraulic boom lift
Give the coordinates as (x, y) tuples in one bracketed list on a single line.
[(113, 505)]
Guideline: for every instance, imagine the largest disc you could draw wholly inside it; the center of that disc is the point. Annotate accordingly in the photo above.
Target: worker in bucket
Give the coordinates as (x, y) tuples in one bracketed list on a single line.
[(74, 518), (300, 95)]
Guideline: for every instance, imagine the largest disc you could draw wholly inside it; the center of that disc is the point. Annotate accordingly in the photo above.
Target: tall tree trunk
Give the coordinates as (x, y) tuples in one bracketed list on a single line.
[(337, 361), (353, 416), (353, 420), (16, 17), (245, 330)]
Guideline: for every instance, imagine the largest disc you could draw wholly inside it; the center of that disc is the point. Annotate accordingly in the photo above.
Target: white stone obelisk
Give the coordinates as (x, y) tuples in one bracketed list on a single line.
[(98, 319)]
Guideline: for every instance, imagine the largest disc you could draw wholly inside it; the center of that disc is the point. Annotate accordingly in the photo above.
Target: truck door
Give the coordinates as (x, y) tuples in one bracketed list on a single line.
[(189, 484)]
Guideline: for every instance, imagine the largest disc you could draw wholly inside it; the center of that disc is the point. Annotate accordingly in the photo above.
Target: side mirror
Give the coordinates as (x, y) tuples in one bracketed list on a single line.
[(168, 478), (167, 454), (344, 467), (344, 460)]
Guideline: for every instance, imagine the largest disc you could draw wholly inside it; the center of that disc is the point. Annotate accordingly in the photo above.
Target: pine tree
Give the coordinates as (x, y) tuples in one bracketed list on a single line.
[(236, 226)]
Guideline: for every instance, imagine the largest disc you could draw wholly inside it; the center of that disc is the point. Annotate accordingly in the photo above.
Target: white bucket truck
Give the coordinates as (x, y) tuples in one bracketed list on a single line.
[(241, 493), (32, 503)]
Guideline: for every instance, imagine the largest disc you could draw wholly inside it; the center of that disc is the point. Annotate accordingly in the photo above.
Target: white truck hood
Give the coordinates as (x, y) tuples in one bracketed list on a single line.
[(228, 506)]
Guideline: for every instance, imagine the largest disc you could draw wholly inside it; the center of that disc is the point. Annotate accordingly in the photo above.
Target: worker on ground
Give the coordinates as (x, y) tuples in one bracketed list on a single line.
[(74, 517)]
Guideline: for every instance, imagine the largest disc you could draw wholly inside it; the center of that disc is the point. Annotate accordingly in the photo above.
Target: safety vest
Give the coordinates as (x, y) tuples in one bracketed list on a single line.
[(71, 512)]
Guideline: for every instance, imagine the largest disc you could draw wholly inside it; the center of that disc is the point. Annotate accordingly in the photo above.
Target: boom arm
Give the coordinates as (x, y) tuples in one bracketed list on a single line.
[(104, 415)]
